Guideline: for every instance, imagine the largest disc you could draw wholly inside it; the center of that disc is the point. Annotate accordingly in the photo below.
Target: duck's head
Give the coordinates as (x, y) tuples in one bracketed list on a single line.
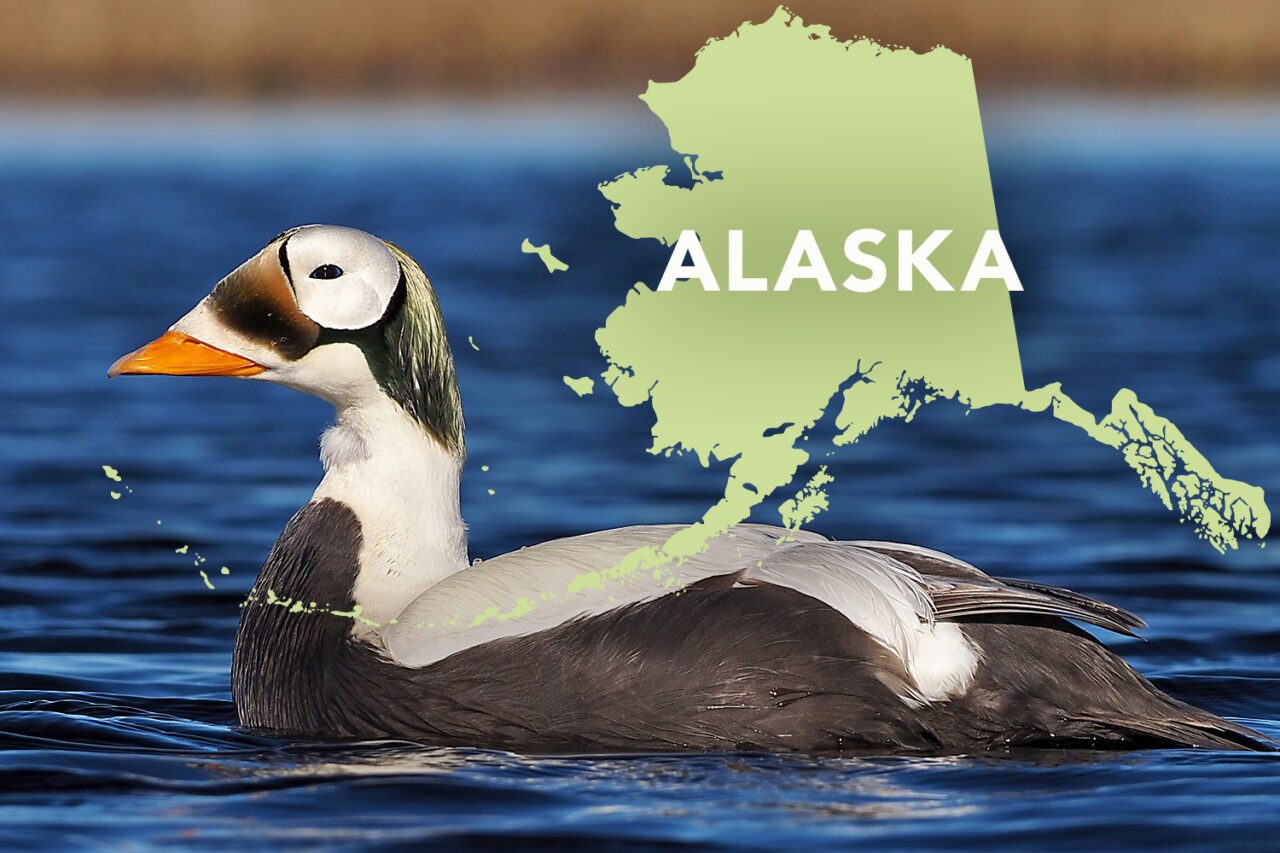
[(325, 309)]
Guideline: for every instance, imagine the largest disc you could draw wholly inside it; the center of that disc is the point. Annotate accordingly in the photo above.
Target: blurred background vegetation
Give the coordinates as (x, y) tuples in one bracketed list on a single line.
[(242, 49)]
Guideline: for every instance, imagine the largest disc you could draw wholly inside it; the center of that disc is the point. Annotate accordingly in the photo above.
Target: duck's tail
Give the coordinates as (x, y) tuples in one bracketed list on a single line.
[(1044, 682), (1181, 724)]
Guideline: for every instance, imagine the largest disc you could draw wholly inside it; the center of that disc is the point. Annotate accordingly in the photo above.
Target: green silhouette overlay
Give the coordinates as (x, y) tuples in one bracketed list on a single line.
[(783, 128)]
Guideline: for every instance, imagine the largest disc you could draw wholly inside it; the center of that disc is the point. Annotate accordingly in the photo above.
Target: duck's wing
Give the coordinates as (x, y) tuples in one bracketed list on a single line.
[(905, 598), (959, 590), (544, 585), (553, 583), (961, 599)]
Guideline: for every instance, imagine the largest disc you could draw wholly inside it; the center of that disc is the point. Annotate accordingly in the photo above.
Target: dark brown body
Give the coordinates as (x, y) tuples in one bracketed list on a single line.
[(715, 667)]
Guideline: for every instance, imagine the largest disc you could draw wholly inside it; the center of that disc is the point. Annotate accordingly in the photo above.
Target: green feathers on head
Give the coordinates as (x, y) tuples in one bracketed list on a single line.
[(419, 373)]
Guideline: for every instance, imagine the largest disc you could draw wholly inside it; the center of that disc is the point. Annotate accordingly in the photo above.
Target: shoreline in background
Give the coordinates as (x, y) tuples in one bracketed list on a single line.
[(248, 51)]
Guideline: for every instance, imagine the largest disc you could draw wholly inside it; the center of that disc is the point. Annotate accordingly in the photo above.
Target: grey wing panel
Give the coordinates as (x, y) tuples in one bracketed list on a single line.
[(926, 561), (960, 590), (956, 599)]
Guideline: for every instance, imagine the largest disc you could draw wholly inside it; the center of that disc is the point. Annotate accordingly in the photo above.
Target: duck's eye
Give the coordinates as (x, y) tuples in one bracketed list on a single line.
[(327, 271)]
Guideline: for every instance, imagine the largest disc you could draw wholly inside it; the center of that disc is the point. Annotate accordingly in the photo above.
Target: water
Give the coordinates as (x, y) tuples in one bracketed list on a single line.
[(1148, 246)]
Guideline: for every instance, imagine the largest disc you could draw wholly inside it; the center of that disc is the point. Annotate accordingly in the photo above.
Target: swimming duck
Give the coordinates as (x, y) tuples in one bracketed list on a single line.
[(368, 621)]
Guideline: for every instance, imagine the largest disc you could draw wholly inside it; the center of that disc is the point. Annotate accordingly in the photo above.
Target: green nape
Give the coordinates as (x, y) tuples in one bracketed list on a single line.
[(418, 371)]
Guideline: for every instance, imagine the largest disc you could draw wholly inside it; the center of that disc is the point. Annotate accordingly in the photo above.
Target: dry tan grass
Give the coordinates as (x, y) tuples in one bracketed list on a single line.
[(242, 48)]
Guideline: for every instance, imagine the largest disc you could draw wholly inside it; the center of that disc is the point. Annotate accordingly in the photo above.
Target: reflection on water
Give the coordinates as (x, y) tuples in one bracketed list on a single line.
[(1148, 264)]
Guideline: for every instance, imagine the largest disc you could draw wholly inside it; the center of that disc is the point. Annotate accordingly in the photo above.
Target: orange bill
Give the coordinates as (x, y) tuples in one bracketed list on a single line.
[(176, 354)]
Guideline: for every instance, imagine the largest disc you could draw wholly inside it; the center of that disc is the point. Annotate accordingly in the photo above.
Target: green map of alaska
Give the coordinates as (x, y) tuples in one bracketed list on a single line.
[(783, 128)]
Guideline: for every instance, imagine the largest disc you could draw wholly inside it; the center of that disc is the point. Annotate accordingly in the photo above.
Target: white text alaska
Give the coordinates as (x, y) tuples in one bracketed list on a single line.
[(805, 264)]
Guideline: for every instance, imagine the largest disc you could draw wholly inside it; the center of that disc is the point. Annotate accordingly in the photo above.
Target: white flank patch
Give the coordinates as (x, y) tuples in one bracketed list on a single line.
[(943, 661)]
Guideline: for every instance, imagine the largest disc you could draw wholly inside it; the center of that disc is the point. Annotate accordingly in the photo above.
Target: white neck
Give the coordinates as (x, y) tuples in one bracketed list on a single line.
[(403, 487)]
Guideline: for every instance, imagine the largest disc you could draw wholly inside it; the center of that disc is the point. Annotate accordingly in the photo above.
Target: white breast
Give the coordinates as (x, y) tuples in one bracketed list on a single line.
[(402, 486)]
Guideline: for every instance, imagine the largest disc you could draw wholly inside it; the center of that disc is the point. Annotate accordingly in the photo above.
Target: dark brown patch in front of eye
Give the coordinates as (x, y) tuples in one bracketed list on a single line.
[(257, 301)]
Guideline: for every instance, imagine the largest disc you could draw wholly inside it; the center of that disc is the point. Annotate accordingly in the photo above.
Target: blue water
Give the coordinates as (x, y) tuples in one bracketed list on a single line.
[(1149, 247)]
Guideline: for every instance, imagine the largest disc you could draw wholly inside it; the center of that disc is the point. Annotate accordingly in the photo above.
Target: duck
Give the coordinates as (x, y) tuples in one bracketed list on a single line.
[(368, 620)]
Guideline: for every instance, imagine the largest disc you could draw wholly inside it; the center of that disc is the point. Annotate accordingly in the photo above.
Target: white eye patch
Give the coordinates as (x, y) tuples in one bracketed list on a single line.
[(344, 278)]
